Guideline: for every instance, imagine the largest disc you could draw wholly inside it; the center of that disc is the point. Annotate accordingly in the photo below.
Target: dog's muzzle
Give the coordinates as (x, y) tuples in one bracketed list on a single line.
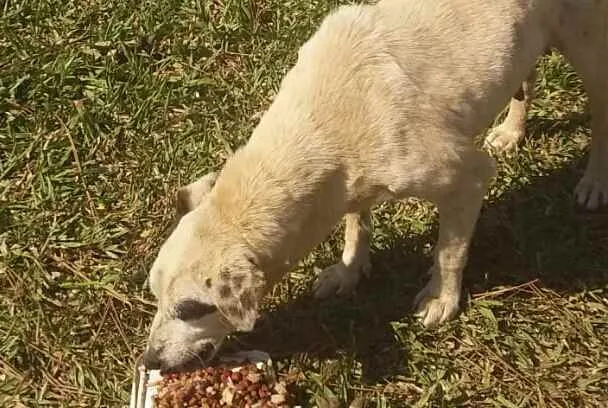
[(152, 359)]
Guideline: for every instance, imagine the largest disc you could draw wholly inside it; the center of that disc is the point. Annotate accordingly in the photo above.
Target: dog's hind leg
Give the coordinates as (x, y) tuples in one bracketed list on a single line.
[(505, 137), (342, 277), (458, 207), (584, 41), (592, 190)]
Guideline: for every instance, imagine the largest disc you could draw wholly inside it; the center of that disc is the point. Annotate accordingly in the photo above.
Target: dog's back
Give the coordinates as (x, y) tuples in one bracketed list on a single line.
[(441, 57), (421, 77)]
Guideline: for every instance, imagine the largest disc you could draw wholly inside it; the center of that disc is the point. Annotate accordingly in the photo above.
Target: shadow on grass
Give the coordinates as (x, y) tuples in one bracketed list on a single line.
[(533, 232)]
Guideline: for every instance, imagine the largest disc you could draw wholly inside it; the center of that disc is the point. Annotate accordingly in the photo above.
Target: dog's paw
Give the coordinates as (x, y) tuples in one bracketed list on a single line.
[(592, 192), (339, 279), (434, 307), (503, 139)]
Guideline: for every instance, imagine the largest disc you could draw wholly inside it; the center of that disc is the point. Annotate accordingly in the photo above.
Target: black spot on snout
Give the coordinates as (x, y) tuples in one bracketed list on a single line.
[(238, 281), (224, 274), (225, 291), (191, 309), (247, 299)]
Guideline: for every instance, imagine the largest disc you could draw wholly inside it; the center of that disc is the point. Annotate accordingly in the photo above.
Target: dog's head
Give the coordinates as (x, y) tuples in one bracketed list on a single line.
[(206, 282)]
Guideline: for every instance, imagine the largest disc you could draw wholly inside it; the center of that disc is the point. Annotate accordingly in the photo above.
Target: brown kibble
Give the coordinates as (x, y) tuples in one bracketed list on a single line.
[(280, 387), (254, 377), (263, 393), (228, 395), (216, 387), (241, 386), (277, 399), (225, 376), (236, 377)]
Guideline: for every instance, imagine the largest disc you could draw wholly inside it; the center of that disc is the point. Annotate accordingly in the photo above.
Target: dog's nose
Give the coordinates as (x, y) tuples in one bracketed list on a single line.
[(207, 352), (152, 359)]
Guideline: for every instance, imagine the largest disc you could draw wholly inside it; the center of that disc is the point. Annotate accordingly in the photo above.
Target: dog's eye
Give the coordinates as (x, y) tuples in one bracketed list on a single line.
[(191, 309)]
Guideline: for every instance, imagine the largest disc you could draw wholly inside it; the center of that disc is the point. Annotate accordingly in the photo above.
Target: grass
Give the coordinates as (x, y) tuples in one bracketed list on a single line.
[(107, 106)]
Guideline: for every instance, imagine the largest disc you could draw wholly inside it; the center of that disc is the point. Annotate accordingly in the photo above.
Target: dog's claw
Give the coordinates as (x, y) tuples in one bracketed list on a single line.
[(591, 193), (434, 309), (339, 279)]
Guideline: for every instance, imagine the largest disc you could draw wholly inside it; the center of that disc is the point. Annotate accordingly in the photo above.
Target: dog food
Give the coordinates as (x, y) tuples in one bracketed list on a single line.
[(246, 386)]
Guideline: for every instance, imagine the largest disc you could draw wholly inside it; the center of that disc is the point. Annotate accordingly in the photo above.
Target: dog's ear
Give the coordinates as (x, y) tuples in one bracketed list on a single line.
[(188, 197), (238, 291)]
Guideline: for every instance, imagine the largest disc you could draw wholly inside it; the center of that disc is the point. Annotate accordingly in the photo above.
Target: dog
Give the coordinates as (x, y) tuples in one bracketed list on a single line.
[(383, 103)]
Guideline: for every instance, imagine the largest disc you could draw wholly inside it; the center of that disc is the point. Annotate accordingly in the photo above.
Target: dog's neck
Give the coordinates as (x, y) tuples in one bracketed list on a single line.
[(281, 198)]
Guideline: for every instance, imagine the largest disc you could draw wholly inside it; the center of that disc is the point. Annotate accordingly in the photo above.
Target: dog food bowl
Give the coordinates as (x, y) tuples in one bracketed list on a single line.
[(146, 383)]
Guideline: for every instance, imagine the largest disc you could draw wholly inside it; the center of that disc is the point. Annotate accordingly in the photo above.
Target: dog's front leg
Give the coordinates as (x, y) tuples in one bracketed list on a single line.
[(342, 278), (458, 211), (505, 137)]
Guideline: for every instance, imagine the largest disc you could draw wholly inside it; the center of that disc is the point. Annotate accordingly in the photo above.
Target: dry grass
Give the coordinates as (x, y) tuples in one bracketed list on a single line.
[(107, 106)]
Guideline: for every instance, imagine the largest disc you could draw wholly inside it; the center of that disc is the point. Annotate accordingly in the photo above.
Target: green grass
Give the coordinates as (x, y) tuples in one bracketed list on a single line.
[(107, 106)]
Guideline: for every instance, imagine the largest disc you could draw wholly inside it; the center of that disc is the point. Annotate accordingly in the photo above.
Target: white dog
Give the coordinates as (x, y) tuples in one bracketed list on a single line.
[(383, 104)]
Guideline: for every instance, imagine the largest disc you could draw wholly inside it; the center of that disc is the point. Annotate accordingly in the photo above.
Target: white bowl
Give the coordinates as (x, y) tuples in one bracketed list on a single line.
[(146, 382)]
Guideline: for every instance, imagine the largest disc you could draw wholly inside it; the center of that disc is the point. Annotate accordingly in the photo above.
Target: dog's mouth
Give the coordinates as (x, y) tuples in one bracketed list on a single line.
[(215, 352), (206, 357)]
